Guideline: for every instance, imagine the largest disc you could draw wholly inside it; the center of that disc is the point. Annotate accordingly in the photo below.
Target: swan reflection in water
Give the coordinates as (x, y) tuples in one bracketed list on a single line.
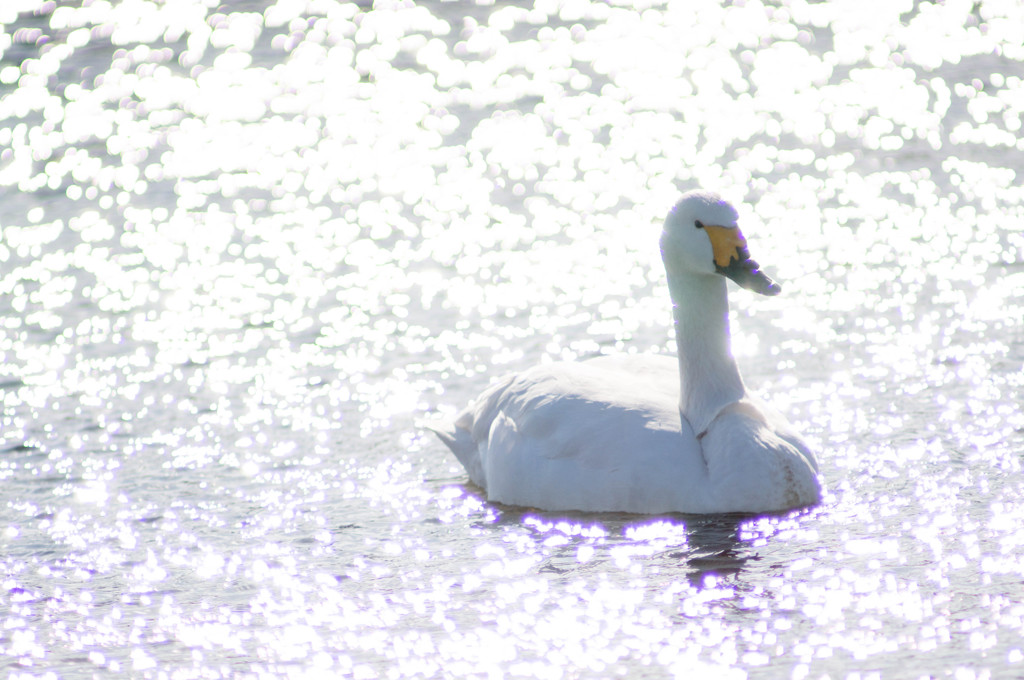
[(707, 551)]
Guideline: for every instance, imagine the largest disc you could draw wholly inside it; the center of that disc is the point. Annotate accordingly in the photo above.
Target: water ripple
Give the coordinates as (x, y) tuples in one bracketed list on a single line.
[(247, 250)]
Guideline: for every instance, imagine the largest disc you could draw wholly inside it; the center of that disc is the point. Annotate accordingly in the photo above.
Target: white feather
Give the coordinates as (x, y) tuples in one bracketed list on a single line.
[(620, 433)]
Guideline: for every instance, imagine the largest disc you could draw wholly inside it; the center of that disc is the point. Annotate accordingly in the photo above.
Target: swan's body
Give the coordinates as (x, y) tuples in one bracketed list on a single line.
[(647, 433)]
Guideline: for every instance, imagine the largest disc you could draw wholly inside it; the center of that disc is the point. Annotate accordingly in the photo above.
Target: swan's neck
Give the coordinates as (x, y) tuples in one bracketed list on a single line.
[(709, 377)]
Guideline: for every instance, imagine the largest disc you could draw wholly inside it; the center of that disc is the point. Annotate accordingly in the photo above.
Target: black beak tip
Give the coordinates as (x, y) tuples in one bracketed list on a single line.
[(771, 289), (749, 276)]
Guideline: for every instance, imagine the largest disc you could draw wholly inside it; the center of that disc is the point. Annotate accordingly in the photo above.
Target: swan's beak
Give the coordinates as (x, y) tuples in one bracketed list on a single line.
[(732, 259)]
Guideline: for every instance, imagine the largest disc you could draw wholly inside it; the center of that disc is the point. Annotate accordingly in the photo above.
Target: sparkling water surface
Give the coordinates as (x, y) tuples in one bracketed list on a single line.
[(249, 250)]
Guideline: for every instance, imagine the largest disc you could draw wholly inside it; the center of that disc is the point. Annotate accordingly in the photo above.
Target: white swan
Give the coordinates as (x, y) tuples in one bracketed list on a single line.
[(647, 433)]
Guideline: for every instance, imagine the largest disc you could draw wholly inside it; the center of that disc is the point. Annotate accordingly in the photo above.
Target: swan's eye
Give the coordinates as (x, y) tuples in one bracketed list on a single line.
[(698, 224)]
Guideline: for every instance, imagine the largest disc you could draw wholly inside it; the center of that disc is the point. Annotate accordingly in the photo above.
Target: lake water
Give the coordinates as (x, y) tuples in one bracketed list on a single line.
[(249, 250)]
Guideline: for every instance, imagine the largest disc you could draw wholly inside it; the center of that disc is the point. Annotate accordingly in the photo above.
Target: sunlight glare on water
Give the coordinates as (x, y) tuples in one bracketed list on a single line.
[(249, 250)]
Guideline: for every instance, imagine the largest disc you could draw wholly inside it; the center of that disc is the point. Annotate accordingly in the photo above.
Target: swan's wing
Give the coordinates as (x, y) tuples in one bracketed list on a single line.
[(601, 435)]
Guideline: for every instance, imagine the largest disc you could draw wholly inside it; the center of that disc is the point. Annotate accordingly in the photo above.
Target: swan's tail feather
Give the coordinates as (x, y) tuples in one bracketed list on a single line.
[(472, 428), (460, 441), (448, 437)]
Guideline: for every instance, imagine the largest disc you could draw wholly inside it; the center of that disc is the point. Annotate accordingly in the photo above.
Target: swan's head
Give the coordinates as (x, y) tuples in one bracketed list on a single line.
[(702, 236)]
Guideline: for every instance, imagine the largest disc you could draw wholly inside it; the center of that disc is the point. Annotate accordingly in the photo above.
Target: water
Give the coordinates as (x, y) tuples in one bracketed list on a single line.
[(248, 250)]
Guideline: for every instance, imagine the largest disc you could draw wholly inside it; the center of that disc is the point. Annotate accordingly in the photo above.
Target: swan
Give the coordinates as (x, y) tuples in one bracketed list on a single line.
[(647, 433)]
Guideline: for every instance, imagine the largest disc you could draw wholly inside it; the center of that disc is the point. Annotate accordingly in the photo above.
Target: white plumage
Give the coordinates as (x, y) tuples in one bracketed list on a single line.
[(647, 433)]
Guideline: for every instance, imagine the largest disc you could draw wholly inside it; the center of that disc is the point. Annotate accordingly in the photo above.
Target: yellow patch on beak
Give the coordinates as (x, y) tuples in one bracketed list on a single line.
[(727, 244), (732, 260)]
